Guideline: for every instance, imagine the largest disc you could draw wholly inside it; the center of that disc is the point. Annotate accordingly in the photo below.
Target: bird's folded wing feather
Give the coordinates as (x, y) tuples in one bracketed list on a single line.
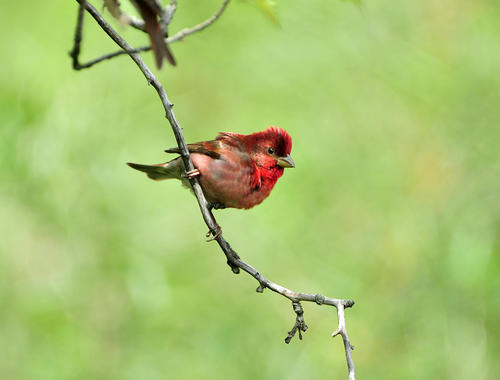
[(208, 148), (226, 146)]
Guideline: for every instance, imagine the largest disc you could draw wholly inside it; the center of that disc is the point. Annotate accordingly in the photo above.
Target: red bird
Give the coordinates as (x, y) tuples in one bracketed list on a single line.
[(235, 170)]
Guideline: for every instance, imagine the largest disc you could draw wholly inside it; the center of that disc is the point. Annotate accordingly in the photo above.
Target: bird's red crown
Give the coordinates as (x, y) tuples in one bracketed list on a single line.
[(280, 139)]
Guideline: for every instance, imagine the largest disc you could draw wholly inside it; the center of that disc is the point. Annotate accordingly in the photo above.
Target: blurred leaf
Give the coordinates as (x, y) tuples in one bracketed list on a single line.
[(268, 7)]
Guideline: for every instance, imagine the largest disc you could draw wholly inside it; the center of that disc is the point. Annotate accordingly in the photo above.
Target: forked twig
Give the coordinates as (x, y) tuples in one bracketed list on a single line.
[(139, 24)]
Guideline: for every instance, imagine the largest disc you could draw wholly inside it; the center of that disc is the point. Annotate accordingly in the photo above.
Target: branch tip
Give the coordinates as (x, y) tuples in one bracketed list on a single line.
[(348, 303)]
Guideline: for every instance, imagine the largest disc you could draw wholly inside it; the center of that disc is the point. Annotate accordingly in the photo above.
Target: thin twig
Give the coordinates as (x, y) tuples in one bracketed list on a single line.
[(233, 259), (347, 343), (75, 52), (139, 24), (187, 31), (168, 14), (86, 65)]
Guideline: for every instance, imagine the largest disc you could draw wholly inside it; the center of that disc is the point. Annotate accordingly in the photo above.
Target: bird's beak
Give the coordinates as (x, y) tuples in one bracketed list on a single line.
[(286, 162)]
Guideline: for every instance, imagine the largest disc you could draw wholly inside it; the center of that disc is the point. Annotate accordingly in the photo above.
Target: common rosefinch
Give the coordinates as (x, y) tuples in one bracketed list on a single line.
[(235, 170)]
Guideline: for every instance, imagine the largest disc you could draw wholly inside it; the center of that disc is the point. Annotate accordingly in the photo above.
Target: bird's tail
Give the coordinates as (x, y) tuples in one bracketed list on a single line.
[(171, 169), (158, 43)]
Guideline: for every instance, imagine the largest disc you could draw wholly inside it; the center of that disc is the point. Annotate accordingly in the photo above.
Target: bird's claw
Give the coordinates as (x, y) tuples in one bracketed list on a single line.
[(192, 173), (216, 206), (216, 233)]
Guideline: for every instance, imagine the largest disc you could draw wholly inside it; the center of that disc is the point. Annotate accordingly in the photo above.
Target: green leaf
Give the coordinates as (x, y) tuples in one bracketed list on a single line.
[(268, 7)]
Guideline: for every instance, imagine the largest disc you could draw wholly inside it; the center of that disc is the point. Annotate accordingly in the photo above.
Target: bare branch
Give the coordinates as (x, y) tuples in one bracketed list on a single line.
[(81, 66), (187, 31), (168, 13), (347, 343), (233, 260), (139, 24), (75, 52), (170, 10)]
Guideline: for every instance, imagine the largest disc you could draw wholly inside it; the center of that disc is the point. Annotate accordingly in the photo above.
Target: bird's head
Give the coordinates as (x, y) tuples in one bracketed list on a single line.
[(270, 149)]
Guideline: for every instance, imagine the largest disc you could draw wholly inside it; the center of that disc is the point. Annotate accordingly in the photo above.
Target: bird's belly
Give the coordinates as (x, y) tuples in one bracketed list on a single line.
[(225, 182), (233, 195)]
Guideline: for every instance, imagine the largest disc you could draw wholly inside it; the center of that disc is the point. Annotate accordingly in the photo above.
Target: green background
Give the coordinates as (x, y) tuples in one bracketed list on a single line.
[(394, 110)]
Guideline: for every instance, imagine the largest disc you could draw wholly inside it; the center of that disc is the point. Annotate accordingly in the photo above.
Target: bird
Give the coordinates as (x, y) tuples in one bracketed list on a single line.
[(150, 11), (235, 170)]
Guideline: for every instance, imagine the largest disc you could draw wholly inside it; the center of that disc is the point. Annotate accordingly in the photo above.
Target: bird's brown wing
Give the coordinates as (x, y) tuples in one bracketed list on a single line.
[(226, 146), (209, 148)]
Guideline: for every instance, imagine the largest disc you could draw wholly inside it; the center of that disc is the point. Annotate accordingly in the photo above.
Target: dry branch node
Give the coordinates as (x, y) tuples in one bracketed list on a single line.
[(319, 299)]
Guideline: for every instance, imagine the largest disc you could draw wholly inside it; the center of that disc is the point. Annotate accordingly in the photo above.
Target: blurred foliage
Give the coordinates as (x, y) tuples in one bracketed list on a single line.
[(395, 200), (268, 7)]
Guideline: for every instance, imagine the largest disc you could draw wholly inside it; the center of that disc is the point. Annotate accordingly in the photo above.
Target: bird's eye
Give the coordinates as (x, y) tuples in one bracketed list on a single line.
[(270, 151)]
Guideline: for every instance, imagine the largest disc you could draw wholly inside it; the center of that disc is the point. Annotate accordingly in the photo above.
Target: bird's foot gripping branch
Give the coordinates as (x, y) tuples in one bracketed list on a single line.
[(163, 17)]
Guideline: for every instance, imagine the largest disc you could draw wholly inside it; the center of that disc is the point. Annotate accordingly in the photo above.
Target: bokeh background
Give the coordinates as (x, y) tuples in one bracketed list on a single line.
[(394, 109)]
